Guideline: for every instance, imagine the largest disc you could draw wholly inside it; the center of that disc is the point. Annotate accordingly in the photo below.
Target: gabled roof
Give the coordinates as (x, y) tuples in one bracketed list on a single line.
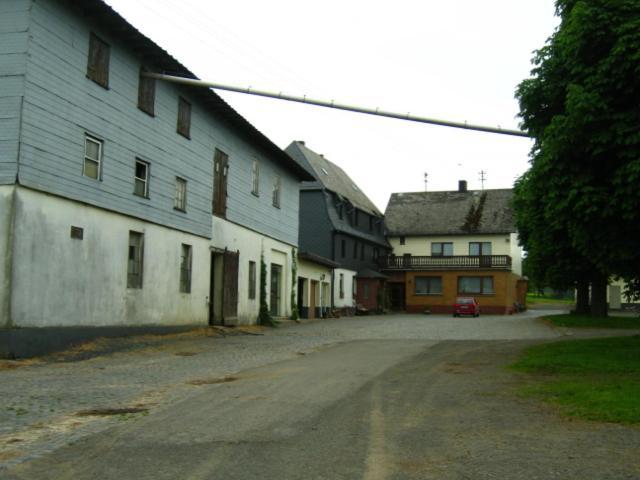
[(450, 213), (156, 57), (330, 176)]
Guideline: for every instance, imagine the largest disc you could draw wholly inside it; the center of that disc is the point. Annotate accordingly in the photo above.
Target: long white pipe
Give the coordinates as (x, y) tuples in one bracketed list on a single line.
[(332, 104)]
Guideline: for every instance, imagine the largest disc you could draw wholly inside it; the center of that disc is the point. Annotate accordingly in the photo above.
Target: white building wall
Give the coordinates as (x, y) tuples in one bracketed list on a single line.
[(516, 254), (321, 274), (61, 281), (349, 288), (6, 196), (251, 244), (421, 246)]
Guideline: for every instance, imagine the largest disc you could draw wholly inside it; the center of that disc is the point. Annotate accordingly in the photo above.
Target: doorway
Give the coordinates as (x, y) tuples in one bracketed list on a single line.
[(275, 290), (313, 295)]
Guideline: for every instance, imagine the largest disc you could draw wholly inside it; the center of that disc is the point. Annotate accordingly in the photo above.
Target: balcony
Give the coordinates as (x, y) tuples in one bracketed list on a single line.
[(454, 262)]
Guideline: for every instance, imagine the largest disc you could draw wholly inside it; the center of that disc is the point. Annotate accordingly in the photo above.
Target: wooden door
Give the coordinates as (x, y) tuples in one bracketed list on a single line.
[(220, 173), (230, 286), (276, 289), (312, 299)]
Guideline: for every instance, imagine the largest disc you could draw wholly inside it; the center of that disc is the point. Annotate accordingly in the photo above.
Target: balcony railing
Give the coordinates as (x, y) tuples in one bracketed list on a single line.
[(462, 262)]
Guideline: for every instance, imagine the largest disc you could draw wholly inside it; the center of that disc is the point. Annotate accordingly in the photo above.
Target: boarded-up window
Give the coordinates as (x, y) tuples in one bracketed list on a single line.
[(98, 62), (135, 260), (185, 268), (146, 94), (92, 157), (141, 179), (252, 280), (220, 171), (184, 118), (180, 200)]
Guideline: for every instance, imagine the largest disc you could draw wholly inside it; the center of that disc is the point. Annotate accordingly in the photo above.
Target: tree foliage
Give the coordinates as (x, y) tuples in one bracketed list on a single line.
[(578, 207)]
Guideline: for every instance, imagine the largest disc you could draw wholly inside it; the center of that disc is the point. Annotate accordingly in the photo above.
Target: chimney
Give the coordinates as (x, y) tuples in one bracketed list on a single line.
[(301, 142), (462, 185)]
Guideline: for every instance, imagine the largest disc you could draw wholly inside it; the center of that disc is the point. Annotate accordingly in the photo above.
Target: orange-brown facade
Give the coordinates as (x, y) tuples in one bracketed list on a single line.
[(503, 300)]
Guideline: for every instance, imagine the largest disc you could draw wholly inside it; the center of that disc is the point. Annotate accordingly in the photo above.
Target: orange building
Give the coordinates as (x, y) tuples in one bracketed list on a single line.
[(450, 244)]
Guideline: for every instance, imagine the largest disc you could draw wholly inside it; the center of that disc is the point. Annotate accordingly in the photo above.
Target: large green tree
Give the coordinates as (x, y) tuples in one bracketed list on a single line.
[(582, 107)]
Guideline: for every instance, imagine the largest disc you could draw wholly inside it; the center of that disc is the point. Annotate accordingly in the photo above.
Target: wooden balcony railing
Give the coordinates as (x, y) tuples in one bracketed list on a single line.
[(463, 262)]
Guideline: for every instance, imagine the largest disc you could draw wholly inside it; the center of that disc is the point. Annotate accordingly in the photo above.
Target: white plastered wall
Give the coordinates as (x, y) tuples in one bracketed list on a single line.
[(61, 281), (349, 285), (6, 197), (251, 244), (421, 246)]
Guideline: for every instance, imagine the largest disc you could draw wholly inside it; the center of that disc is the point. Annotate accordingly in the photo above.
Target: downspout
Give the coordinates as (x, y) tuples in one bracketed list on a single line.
[(6, 314)]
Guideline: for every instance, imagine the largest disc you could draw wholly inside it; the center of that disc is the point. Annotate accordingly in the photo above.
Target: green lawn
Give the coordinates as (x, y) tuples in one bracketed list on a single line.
[(596, 379), (587, 321), (533, 298)]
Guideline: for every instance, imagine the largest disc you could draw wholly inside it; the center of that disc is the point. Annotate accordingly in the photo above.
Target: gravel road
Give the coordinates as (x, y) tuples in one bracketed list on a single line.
[(47, 406)]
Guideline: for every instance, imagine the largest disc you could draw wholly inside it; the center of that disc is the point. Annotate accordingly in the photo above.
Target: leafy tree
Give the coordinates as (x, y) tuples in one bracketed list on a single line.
[(581, 108)]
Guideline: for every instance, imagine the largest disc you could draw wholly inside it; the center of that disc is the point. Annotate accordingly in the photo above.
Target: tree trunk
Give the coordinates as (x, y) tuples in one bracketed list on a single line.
[(599, 307), (582, 297)]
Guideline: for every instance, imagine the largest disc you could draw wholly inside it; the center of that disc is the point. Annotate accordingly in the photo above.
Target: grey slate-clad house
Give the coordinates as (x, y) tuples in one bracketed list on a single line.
[(124, 200), (453, 243), (339, 222)]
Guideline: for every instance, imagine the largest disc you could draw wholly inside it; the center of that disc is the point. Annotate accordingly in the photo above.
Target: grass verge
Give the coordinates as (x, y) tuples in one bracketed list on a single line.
[(595, 379), (587, 321)]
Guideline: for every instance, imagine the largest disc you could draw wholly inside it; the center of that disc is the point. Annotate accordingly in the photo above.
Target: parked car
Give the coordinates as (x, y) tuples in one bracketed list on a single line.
[(466, 306)]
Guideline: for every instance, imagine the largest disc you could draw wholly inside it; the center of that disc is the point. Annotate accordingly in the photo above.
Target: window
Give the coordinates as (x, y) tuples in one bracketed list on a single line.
[(77, 232), (141, 179), (428, 285), (340, 212), (185, 269), (353, 286), (92, 157), (98, 62), (355, 249), (252, 280), (479, 248), (342, 285), (370, 224), (180, 201), (362, 247), (356, 217), (441, 249), (146, 93), (343, 248), (135, 260), (478, 285), (184, 118), (402, 240), (255, 178), (276, 191)]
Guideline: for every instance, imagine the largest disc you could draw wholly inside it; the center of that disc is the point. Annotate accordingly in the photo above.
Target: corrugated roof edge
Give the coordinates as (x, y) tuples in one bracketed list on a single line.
[(144, 46)]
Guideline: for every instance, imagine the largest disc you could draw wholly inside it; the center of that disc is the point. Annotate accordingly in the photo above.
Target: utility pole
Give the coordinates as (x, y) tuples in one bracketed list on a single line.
[(425, 180), (483, 177)]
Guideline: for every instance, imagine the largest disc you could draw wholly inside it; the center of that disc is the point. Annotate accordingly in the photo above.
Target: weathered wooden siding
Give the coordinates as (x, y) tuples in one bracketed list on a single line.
[(14, 39), (61, 105)]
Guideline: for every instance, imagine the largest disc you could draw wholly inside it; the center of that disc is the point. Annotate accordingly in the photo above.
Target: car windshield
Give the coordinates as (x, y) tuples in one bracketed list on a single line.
[(464, 301)]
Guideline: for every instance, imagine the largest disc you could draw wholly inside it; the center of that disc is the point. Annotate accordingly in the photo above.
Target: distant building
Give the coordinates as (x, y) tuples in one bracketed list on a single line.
[(453, 243), (125, 200), (338, 222)]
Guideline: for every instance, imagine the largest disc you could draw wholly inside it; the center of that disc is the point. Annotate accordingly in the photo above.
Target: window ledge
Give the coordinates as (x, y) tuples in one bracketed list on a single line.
[(179, 210)]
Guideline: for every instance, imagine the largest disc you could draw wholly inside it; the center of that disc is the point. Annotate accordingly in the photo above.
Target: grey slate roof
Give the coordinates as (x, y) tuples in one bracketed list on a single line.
[(335, 179), (155, 56), (450, 213)]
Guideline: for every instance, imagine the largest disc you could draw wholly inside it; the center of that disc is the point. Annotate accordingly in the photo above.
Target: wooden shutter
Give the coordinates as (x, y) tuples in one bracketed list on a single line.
[(220, 173), (98, 62), (230, 286)]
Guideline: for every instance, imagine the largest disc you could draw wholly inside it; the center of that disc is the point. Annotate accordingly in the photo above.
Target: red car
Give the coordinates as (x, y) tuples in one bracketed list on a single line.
[(466, 306)]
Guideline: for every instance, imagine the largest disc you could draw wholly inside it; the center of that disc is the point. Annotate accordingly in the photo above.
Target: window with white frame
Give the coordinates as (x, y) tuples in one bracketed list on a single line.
[(92, 157), (277, 183), (141, 179), (135, 260), (255, 178), (180, 201), (185, 268)]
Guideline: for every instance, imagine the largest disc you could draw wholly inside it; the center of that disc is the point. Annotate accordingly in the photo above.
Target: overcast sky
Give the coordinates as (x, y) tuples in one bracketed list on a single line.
[(456, 60)]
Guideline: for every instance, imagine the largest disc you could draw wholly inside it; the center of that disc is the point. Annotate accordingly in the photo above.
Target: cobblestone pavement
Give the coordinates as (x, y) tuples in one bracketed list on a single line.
[(44, 404)]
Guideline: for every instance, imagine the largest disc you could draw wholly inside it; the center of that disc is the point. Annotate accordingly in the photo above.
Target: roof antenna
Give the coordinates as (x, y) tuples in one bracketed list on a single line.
[(483, 177), (426, 175)]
